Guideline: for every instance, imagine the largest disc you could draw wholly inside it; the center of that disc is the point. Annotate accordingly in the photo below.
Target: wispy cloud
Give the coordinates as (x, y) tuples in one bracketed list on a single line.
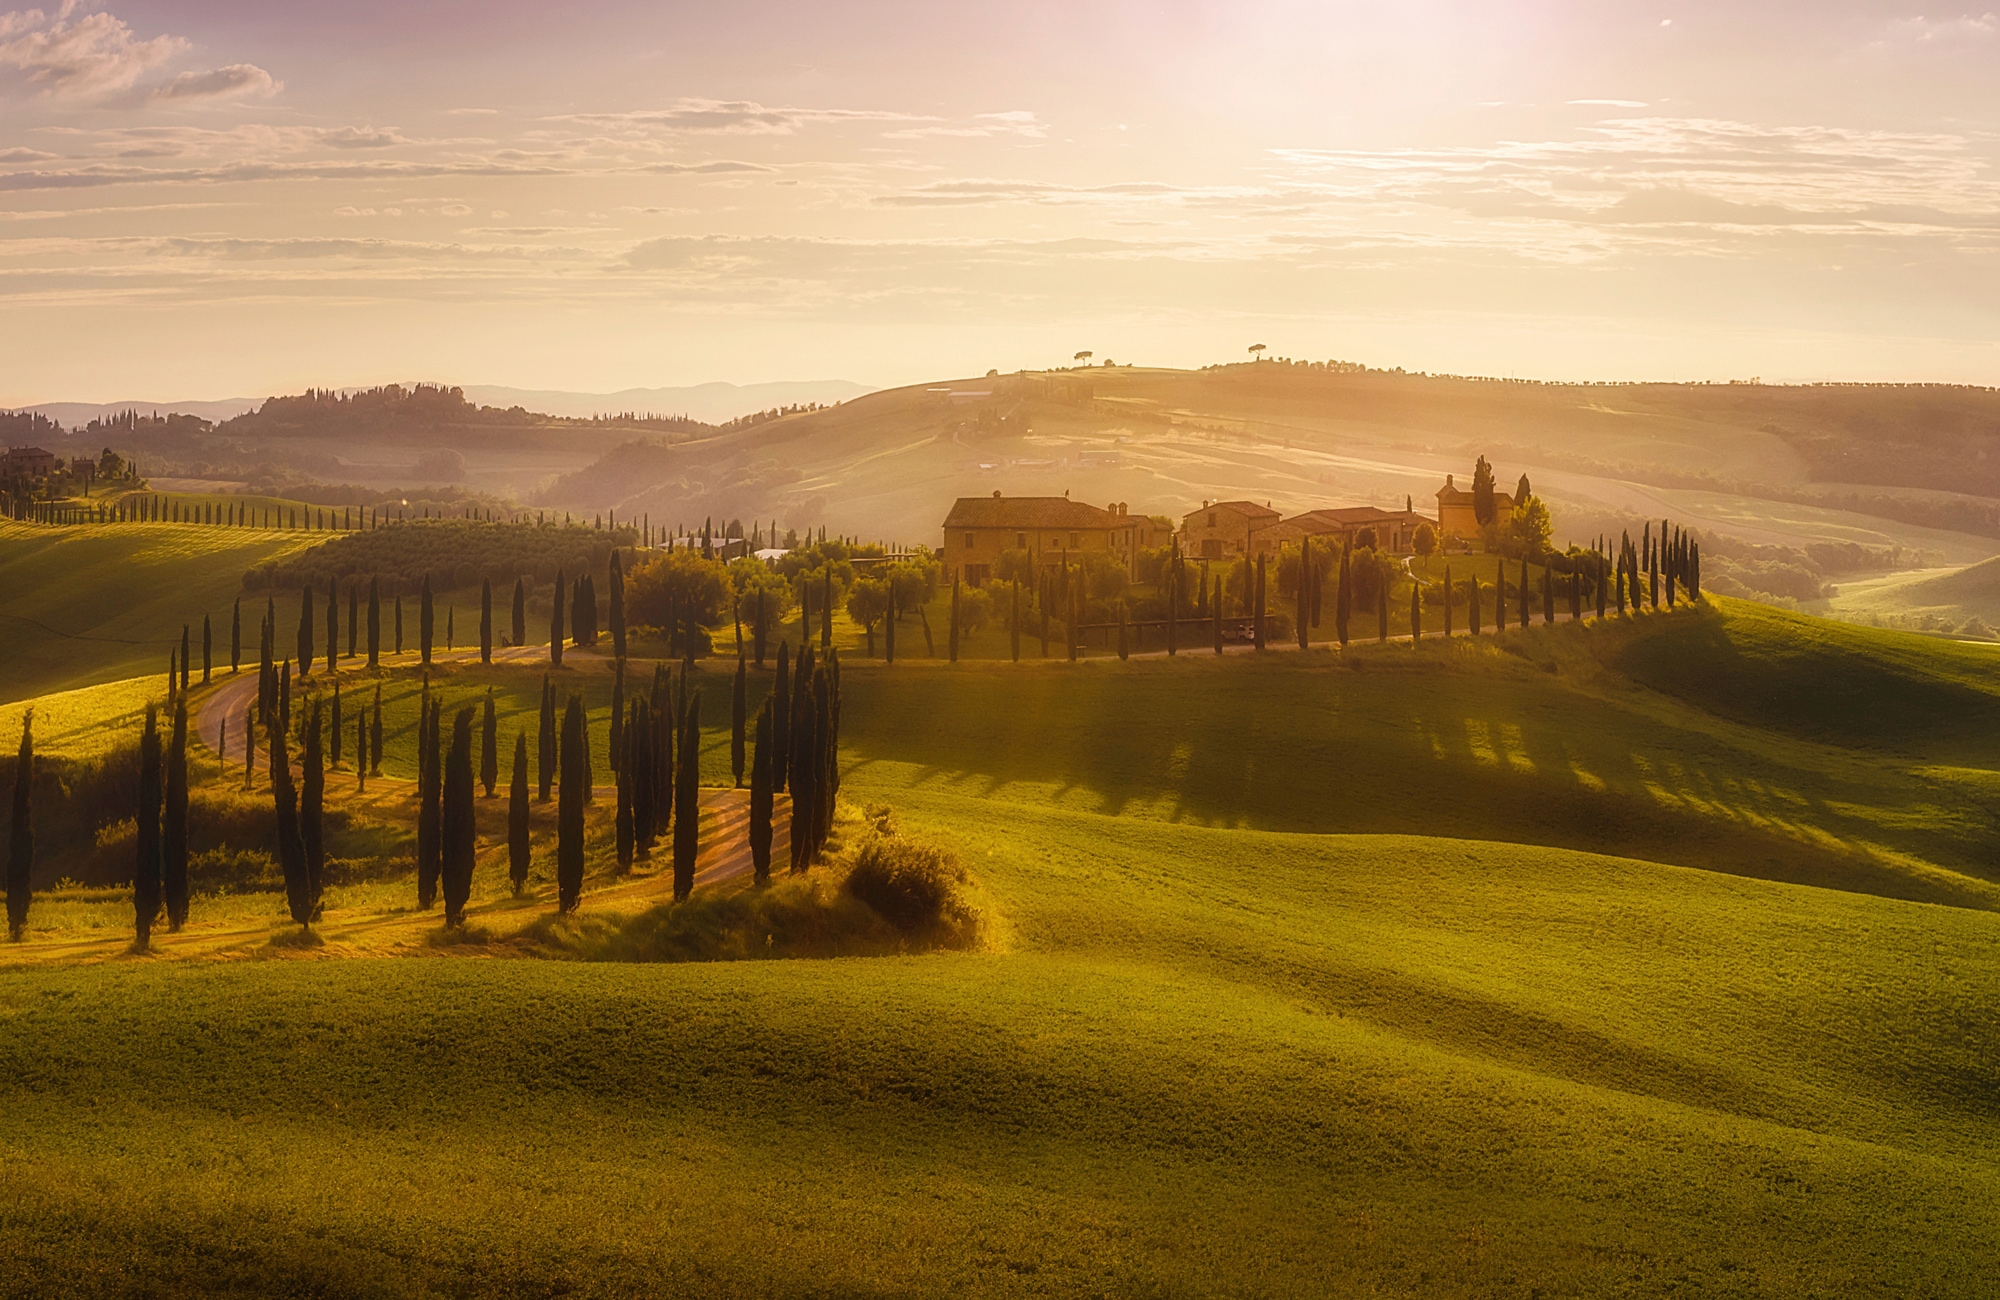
[(237, 81), (733, 116)]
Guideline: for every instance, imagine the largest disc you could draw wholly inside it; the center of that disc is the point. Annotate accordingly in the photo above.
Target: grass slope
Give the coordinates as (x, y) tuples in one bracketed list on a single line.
[(1210, 1062), (92, 603)]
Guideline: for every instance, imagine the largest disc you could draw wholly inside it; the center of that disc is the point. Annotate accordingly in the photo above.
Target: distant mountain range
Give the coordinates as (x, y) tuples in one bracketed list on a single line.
[(709, 403)]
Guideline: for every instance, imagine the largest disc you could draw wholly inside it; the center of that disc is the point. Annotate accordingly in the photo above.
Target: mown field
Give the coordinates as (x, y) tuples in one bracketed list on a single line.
[(1650, 958)]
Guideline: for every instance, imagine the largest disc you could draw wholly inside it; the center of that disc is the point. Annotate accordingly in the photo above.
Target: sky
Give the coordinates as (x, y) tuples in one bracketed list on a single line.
[(202, 200)]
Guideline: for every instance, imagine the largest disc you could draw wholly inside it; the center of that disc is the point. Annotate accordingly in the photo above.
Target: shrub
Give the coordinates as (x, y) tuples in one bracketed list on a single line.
[(916, 887)]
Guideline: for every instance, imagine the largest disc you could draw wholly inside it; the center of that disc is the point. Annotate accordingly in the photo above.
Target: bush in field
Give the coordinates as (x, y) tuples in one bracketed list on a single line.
[(661, 590), (455, 552), (916, 887)]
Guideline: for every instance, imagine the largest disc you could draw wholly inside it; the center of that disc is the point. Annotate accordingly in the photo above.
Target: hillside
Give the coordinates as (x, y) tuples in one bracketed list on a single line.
[(1728, 459), (1599, 958)]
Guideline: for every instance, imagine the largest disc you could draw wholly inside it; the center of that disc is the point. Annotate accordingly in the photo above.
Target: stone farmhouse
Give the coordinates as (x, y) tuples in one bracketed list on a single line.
[(979, 529), (27, 462), (1455, 516)]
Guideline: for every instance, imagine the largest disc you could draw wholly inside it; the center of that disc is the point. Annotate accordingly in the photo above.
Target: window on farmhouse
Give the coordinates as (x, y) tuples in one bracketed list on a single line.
[(1211, 519), (1020, 541), (1074, 540), (969, 543)]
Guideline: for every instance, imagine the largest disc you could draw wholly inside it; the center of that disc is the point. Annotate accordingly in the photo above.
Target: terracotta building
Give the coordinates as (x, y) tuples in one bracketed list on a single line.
[(979, 529), (1224, 529), (1455, 516)]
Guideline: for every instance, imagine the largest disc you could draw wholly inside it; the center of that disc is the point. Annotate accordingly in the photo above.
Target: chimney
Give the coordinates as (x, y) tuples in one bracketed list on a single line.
[(1447, 481)]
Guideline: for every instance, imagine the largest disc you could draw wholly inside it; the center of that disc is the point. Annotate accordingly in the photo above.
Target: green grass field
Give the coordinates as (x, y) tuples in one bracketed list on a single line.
[(1658, 957)]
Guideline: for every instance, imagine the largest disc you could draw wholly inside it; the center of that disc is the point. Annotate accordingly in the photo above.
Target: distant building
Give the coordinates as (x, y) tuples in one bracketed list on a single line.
[(1224, 529), (979, 529), (27, 462), (1455, 515), (1395, 530)]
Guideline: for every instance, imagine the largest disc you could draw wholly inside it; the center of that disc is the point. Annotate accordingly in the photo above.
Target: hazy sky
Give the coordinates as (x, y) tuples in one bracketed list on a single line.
[(245, 196)]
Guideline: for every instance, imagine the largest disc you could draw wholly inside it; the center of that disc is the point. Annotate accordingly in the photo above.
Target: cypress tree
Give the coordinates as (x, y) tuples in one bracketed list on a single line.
[(353, 617), (1575, 594), (185, 649), (430, 809), (618, 606), (1548, 594), (1343, 600), (312, 805), (660, 758), (739, 707), (249, 746), (375, 736), (1214, 604), (285, 695), (569, 807), (826, 613), (687, 798), (802, 769), (951, 642), (399, 622), (236, 636), (450, 626), (460, 844), (1257, 614), (207, 649), (781, 721), (426, 621), (1597, 580), (489, 747), (617, 723), (174, 823), (291, 846), (361, 751), (332, 627), (556, 626), (486, 623), (1472, 604), (1014, 618), (621, 770), (517, 816), (1523, 611), (306, 642), (761, 800), (21, 834), (520, 611), (1416, 612), (639, 753), (1500, 595), (1304, 594), (545, 741)]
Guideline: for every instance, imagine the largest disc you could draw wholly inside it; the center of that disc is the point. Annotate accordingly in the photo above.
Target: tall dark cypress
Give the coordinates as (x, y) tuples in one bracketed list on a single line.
[(312, 807), (951, 644), (21, 835), (739, 707), (545, 741), (687, 802), (460, 844), (660, 728), (802, 768), (1303, 601), (486, 623), (520, 627), (781, 720), (1382, 609), (617, 606), (1257, 612), (374, 755), (489, 747), (306, 644), (639, 754), (1472, 604), (617, 754), (291, 845), (430, 810), (426, 620), (761, 800), (236, 636), (1548, 592), (332, 627), (623, 768), (353, 618), (207, 649), (1416, 612), (174, 823), (374, 622), (569, 808), (1343, 600), (185, 649), (517, 816), (556, 624)]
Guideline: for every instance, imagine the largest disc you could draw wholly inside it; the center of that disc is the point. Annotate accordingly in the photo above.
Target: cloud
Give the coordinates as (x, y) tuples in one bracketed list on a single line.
[(733, 116), (91, 57), (966, 192), (24, 155), (97, 175), (361, 137), (1948, 31), (1612, 103), (1018, 122), (237, 81), (718, 168)]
